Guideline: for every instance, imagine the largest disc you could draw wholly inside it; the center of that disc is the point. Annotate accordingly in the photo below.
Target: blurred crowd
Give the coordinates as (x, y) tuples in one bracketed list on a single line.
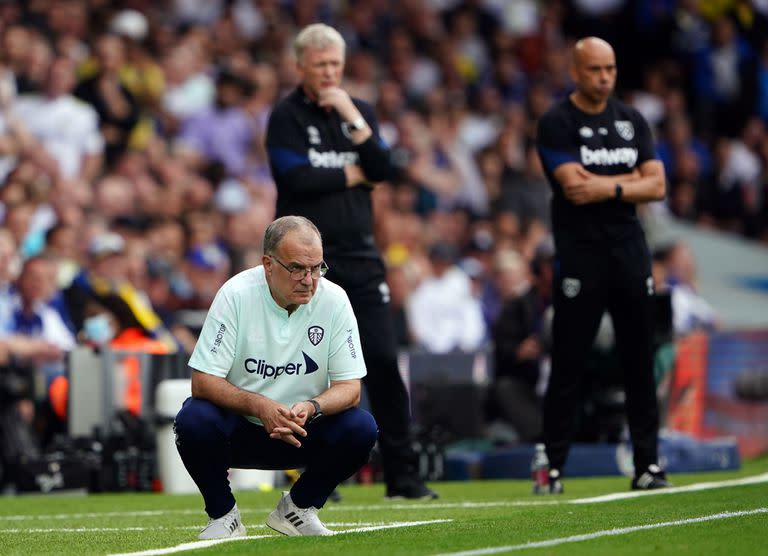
[(134, 180)]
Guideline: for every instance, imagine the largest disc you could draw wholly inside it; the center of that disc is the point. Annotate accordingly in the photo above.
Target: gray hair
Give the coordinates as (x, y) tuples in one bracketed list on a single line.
[(278, 229), (317, 35)]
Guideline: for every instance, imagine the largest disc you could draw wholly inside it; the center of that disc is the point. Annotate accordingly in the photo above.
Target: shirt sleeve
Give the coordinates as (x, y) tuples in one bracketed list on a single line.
[(55, 331), (554, 142), (345, 358), (645, 144), (191, 134), (215, 349), (93, 141)]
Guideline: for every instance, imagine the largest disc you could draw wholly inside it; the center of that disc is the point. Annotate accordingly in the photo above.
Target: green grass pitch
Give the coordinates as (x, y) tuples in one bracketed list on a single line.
[(727, 513)]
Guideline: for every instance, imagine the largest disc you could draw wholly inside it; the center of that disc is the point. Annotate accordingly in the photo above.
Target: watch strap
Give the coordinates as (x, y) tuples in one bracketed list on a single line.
[(318, 410), (357, 124)]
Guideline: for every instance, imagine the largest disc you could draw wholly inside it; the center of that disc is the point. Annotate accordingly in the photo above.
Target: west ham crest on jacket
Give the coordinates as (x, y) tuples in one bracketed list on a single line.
[(625, 129), (315, 334), (571, 287)]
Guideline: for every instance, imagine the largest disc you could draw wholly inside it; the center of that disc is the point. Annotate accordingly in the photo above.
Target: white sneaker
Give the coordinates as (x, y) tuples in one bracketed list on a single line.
[(293, 521), (225, 527)]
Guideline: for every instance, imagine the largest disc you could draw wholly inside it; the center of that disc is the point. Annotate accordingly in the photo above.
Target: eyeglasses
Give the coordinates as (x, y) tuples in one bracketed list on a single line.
[(299, 272)]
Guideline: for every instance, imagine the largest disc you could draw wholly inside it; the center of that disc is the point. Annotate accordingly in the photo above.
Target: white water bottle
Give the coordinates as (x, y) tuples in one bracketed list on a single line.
[(540, 470)]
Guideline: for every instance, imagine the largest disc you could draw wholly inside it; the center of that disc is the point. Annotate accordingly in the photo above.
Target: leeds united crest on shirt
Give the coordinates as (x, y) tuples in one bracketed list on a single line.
[(315, 334), (625, 129)]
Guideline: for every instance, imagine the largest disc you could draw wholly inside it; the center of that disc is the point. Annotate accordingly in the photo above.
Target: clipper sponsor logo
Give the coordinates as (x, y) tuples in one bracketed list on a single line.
[(267, 370), (351, 345), (608, 157), (219, 337), (332, 159), (315, 334)]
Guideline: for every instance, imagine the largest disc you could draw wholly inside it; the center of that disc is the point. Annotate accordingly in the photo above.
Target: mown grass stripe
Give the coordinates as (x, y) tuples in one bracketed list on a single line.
[(763, 478), (205, 544), (605, 533)]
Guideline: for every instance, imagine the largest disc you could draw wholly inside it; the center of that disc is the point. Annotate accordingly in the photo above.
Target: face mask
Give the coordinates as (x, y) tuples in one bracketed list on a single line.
[(98, 329)]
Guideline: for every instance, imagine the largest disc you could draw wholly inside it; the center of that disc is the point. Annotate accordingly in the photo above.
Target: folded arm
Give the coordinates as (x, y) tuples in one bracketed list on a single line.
[(646, 183)]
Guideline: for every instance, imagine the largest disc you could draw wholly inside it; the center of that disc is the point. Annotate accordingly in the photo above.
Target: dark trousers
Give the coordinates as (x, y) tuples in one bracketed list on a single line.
[(587, 283), (364, 281), (211, 440)]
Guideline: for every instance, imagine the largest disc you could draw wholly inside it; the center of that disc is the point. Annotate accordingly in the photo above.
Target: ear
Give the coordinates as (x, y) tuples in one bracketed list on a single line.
[(266, 261)]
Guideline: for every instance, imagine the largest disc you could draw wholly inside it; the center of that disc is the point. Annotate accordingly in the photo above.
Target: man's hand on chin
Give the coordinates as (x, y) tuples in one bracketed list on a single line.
[(339, 100)]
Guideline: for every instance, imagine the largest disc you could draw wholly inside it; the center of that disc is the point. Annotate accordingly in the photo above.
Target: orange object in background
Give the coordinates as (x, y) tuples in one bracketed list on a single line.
[(58, 395), (134, 339), (689, 385)]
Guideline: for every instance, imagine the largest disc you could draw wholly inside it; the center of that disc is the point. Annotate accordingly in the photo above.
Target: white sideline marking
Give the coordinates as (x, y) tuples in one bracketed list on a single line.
[(762, 478), (394, 525), (605, 533), (673, 490), (27, 531), (141, 513), (190, 546), (267, 509), (205, 544)]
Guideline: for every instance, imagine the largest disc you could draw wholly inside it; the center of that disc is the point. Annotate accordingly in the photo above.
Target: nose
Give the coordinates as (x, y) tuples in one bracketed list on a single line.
[(307, 278)]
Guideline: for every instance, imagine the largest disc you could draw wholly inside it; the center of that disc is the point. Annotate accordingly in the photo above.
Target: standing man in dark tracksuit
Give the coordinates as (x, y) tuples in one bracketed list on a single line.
[(599, 157), (326, 155)]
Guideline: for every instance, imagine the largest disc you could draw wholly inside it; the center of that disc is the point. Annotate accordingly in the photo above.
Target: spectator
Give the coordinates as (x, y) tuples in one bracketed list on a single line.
[(116, 106), (442, 312), (67, 129), (518, 348), (725, 74), (223, 134), (189, 89), (9, 263), (206, 268), (33, 316), (105, 277), (690, 311)]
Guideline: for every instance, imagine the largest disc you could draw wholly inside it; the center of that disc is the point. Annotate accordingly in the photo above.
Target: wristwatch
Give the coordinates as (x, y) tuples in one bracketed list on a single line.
[(618, 192), (318, 411), (357, 124)]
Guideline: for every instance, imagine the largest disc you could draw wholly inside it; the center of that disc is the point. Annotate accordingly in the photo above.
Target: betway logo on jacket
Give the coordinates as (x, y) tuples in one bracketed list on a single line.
[(332, 159), (268, 370), (608, 157)]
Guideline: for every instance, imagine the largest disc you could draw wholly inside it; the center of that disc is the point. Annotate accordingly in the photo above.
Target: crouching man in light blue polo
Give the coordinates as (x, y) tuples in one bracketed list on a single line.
[(275, 385)]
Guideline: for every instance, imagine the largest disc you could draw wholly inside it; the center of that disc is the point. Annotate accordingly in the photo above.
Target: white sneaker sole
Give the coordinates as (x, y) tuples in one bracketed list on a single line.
[(239, 532), (285, 527), (282, 526)]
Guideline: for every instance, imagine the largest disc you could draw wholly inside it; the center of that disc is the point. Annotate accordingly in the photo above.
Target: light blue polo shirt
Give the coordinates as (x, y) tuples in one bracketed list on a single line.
[(251, 341)]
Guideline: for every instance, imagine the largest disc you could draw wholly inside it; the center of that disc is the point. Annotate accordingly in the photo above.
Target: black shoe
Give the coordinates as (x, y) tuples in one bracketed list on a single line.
[(335, 496), (652, 479), (410, 490), (555, 484)]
